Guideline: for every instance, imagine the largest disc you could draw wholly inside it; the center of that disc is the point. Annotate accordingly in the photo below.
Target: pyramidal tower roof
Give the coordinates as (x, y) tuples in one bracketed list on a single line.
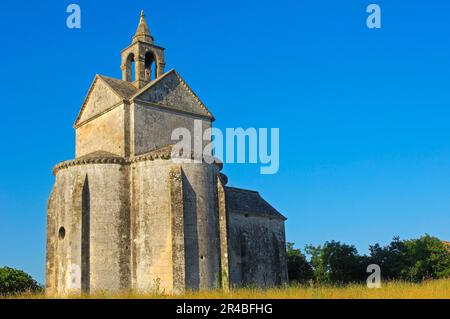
[(143, 32)]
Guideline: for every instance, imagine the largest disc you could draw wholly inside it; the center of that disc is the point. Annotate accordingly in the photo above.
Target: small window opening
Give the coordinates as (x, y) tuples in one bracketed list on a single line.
[(62, 233)]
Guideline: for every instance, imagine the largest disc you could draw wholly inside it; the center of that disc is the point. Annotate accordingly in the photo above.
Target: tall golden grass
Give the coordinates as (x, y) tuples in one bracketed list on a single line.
[(436, 289)]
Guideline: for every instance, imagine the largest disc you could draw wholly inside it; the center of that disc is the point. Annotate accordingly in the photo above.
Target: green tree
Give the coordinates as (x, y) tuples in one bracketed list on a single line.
[(13, 281), (299, 269), (412, 260), (427, 258), (337, 263), (392, 258)]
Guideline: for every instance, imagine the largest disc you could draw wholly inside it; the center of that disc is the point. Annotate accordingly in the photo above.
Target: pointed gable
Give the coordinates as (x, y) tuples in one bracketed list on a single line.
[(103, 94), (171, 91)]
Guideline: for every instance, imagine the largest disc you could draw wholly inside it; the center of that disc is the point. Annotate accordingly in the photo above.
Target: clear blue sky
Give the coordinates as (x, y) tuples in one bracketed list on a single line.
[(364, 115)]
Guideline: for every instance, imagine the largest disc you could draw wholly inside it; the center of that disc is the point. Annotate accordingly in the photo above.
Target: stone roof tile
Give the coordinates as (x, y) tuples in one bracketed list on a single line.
[(250, 202), (123, 88)]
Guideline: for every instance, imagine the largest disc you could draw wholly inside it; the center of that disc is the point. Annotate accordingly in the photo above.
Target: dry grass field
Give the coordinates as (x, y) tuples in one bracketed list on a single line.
[(437, 289)]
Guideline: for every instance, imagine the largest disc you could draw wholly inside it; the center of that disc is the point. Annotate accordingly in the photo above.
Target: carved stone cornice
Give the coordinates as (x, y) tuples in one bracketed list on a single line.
[(164, 153), (90, 160)]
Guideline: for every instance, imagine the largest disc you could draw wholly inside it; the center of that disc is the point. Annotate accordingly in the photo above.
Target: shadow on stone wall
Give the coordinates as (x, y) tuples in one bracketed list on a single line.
[(85, 236), (192, 266)]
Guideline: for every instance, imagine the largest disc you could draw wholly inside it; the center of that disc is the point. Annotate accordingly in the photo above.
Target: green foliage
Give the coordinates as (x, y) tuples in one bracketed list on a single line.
[(13, 281), (412, 260), (427, 258), (299, 269), (392, 259), (336, 263)]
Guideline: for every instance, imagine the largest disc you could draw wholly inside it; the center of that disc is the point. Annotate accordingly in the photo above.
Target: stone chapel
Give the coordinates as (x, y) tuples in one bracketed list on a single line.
[(124, 215)]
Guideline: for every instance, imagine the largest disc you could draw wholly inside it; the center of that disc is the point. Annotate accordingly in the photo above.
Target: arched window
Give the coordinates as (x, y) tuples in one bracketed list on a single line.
[(130, 67), (150, 66)]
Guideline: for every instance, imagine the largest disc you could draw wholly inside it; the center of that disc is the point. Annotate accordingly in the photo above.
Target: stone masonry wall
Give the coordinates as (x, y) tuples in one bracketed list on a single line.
[(152, 266), (101, 192), (161, 258), (153, 127), (201, 226), (155, 225), (257, 251), (104, 133)]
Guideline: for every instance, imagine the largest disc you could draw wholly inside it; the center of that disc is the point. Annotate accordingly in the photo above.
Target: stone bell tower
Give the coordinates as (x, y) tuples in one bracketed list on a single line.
[(146, 58)]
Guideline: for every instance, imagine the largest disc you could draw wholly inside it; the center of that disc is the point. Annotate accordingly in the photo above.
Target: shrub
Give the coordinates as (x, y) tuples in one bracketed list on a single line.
[(13, 281)]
